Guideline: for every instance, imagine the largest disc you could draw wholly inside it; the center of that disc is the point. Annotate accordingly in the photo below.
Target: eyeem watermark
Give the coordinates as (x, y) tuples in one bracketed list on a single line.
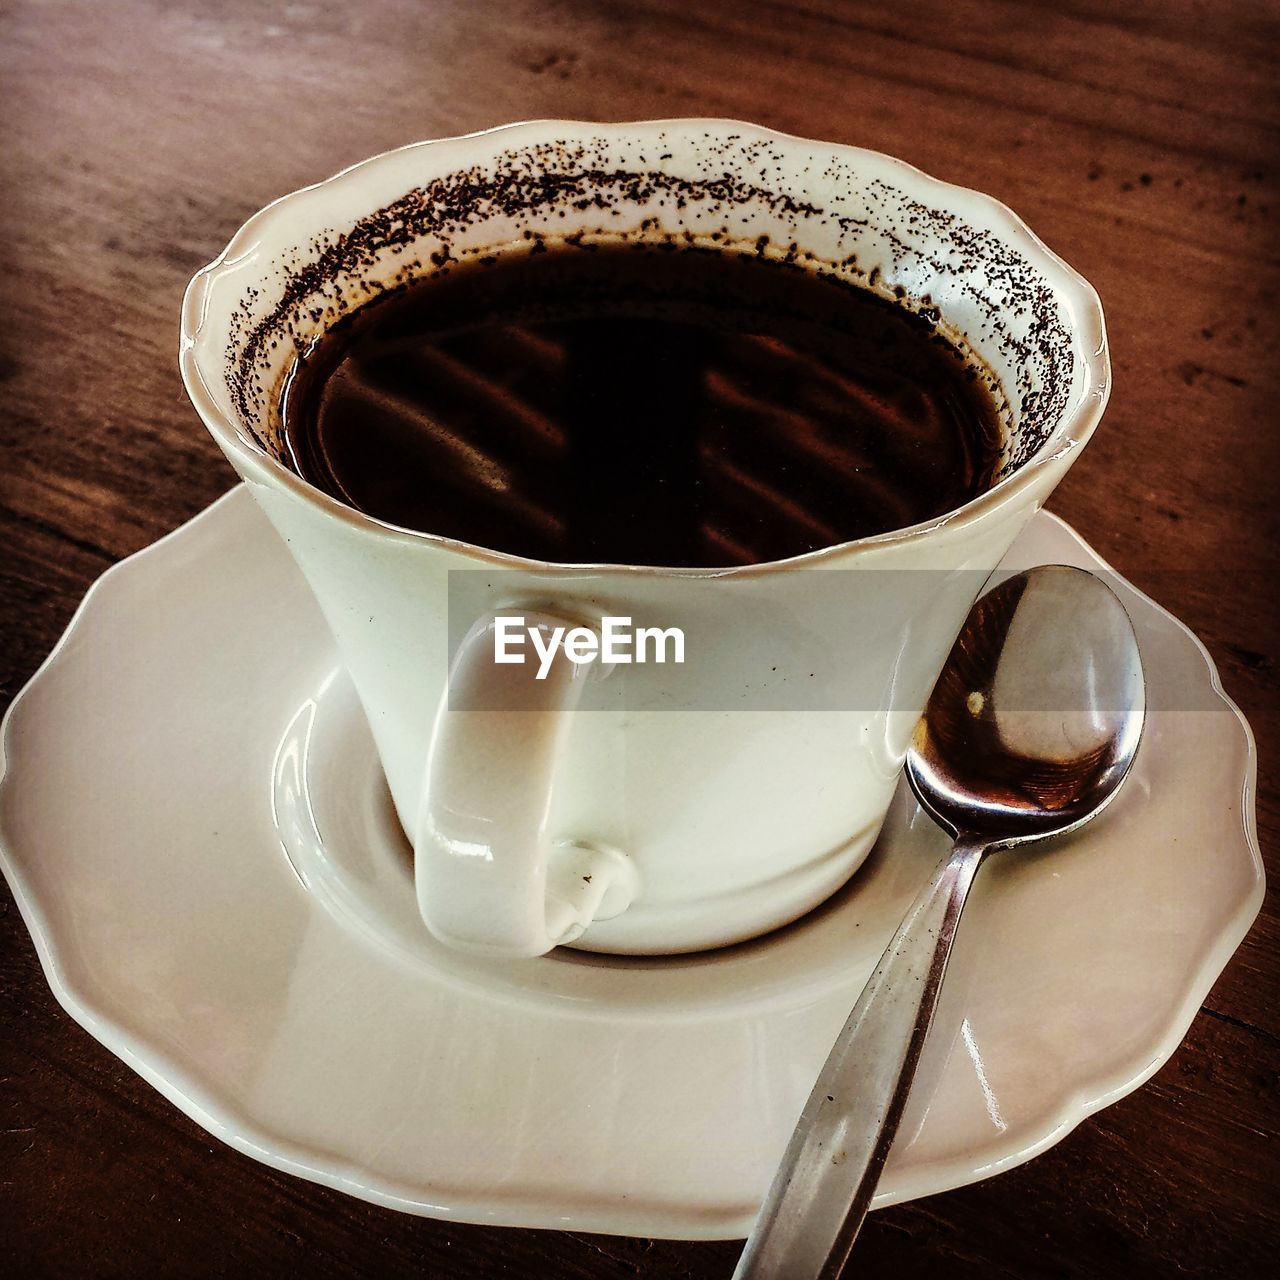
[(617, 641), (790, 640)]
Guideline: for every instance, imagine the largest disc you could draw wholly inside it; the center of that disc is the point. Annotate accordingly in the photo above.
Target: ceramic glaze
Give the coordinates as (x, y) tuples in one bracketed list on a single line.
[(688, 824), (228, 905)]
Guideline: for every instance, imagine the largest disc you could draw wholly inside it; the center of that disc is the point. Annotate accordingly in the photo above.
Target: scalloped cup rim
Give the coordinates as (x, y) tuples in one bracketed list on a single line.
[(1073, 291)]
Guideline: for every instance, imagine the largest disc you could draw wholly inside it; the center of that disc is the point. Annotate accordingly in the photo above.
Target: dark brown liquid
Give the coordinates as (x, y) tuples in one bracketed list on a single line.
[(641, 406)]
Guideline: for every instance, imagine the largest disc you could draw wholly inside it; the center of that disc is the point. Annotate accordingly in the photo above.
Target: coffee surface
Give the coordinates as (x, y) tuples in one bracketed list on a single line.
[(640, 405)]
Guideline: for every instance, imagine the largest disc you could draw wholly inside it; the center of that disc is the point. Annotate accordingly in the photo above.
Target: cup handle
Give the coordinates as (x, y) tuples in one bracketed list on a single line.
[(490, 880)]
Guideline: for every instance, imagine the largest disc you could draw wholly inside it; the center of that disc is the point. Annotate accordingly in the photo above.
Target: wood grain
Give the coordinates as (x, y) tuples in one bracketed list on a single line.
[(1139, 140)]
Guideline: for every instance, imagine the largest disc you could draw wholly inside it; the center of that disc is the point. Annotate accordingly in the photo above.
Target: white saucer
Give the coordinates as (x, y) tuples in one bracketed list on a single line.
[(201, 844)]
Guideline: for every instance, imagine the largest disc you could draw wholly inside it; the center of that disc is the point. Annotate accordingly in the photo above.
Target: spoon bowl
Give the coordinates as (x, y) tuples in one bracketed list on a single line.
[(1037, 714)]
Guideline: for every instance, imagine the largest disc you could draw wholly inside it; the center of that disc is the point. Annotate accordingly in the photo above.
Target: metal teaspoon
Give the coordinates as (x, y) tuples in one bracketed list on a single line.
[(1028, 733)]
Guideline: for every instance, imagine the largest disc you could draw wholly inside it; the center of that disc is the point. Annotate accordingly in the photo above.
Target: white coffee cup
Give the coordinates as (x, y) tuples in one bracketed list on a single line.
[(645, 812)]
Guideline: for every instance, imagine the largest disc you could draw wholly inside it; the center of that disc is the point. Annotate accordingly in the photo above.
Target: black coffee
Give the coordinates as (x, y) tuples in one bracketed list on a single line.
[(640, 405)]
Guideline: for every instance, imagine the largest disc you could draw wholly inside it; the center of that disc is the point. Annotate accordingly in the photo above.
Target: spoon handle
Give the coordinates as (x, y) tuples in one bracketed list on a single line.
[(827, 1177)]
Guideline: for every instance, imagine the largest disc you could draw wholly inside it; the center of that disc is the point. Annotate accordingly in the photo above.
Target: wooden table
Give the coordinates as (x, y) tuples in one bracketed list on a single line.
[(1140, 140)]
